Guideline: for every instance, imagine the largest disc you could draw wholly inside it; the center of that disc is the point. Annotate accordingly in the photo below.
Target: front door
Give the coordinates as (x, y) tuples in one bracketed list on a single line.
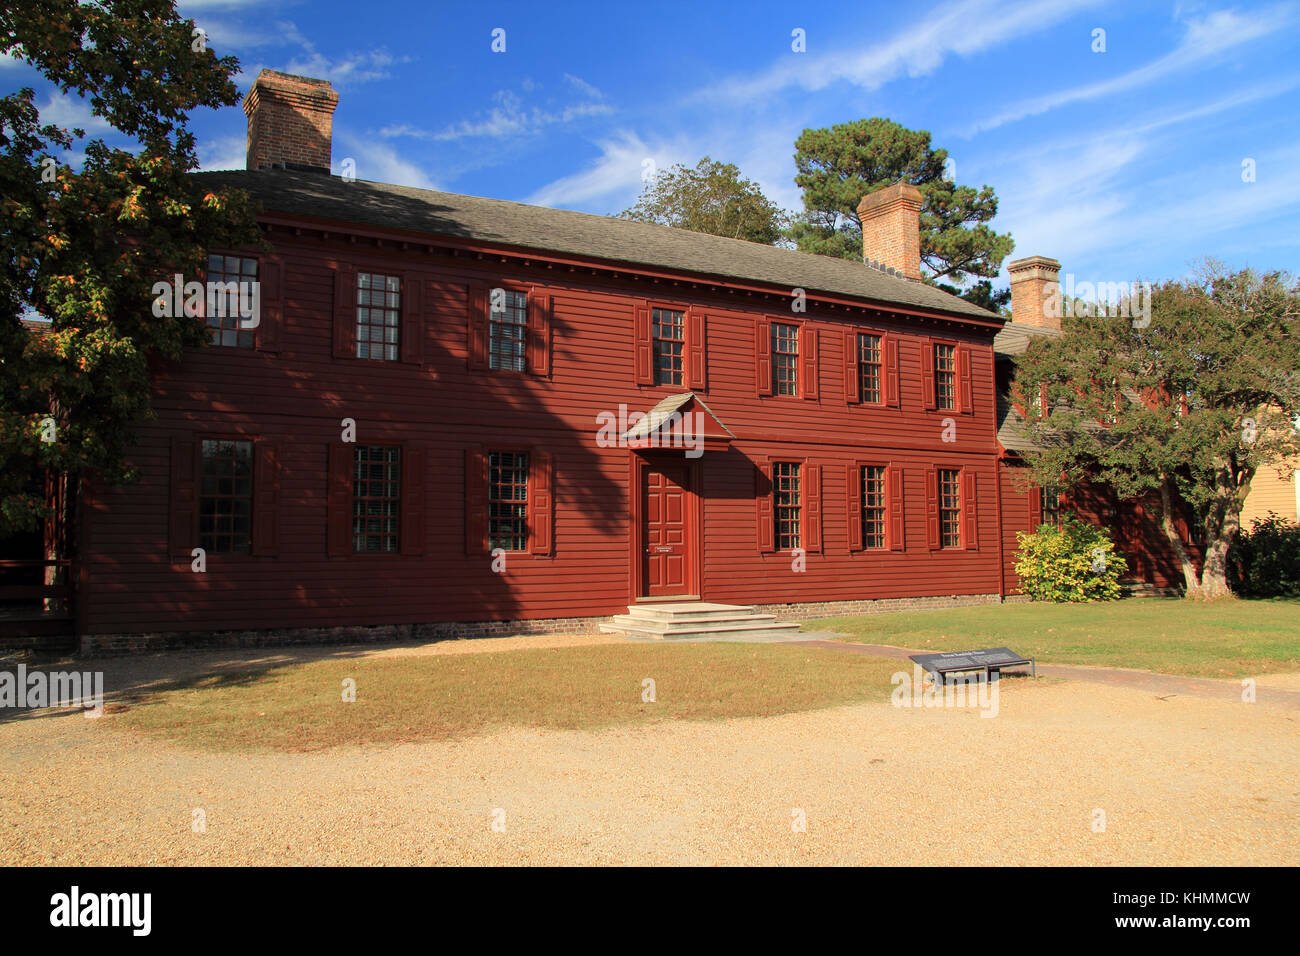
[(666, 514)]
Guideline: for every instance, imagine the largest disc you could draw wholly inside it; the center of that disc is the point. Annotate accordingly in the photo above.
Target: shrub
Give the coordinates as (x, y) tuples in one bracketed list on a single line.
[(1265, 561), (1075, 562)]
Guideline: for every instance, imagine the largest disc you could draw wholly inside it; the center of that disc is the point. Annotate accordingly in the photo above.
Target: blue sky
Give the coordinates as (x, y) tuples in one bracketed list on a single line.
[(1122, 164)]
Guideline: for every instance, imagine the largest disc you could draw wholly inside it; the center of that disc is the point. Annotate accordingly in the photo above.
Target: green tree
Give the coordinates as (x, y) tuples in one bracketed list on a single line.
[(841, 164), (85, 247), (712, 197), (1186, 406)]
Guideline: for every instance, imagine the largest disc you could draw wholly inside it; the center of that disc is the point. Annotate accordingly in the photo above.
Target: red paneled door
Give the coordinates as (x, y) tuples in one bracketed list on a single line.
[(667, 542)]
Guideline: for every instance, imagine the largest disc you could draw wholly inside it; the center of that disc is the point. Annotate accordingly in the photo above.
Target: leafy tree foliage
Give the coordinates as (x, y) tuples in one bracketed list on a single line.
[(1264, 561), (841, 164), (84, 247), (712, 197), (1188, 407)]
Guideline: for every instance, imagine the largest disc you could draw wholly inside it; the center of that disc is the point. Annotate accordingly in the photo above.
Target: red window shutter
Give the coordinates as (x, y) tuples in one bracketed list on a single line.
[(643, 348), (541, 502), (932, 508), (183, 506), (539, 333), (853, 502), (1035, 508), (414, 512), (812, 508), (266, 499), (476, 503), (850, 367), (969, 510), (891, 370), (763, 505), (476, 318), (808, 359), (965, 396), (763, 357), (697, 351), (271, 306), (927, 373), (410, 335), (338, 522), (897, 529), (345, 312)]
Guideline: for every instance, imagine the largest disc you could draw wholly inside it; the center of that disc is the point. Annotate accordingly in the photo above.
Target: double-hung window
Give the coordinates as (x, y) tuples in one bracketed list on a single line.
[(508, 500), (785, 359), (226, 496), (379, 313), (507, 330)]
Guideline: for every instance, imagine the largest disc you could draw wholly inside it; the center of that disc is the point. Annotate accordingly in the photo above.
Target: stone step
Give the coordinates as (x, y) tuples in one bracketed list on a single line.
[(687, 623), (687, 611), (717, 631)]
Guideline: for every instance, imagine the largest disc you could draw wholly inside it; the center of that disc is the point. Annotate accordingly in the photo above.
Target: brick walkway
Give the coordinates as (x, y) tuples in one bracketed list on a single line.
[(1162, 685)]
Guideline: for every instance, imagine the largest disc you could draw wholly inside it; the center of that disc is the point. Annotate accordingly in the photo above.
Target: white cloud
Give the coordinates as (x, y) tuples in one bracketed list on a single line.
[(509, 117), (919, 47), (72, 112), (379, 163), (227, 152), (1072, 200), (1217, 33), (614, 178), (351, 69)]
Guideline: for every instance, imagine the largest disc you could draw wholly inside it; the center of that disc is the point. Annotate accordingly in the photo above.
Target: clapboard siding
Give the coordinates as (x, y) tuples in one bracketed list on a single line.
[(298, 397)]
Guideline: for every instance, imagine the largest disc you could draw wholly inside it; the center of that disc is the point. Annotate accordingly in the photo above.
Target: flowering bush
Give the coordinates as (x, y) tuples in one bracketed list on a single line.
[(1075, 562)]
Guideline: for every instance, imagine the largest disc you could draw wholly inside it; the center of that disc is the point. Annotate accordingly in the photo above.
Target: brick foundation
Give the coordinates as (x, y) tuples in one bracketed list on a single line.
[(102, 645), (820, 609)]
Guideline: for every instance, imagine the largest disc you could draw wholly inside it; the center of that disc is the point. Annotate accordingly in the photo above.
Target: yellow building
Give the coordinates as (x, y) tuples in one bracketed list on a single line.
[(1269, 492)]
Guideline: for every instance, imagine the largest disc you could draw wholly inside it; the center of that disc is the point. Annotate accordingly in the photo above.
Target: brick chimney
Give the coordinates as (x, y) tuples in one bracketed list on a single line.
[(1035, 294), (891, 227), (290, 122)]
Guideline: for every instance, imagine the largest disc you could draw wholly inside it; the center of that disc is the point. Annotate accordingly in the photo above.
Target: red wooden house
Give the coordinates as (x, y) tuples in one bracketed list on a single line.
[(416, 438)]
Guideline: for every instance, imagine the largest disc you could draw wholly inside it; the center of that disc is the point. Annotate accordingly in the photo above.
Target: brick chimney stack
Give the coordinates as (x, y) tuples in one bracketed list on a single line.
[(1035, 293), (290, 122), (891, 227)]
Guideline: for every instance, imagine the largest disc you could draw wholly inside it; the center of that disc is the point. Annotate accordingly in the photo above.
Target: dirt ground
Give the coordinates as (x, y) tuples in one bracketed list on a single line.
[(1068, 773)]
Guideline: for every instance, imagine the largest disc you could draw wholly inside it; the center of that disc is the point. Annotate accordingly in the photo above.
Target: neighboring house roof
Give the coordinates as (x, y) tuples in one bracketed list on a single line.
[(562, 231), (1013, 340), (38, 326)]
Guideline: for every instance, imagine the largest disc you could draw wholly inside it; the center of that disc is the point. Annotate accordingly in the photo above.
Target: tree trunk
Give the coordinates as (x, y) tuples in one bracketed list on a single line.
[(1167, 525), (1222, 528)]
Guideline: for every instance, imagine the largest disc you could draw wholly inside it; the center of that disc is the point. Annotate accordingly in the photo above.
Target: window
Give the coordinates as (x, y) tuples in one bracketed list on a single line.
[(785, 359), (379, 308), (508, 501), (786, 498), (226, 497), (873, 506), (949, 508), (506, 330), (376, 497), (945, 376), (1050, 503), (669, 339), (227, 275), (869, 366)]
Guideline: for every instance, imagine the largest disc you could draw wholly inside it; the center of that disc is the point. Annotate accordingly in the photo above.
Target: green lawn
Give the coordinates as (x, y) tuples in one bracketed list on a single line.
[(1216, 639), (443, 697)]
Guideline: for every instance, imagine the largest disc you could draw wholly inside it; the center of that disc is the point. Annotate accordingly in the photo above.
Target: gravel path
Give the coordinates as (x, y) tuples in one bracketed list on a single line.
[(1181, 781)]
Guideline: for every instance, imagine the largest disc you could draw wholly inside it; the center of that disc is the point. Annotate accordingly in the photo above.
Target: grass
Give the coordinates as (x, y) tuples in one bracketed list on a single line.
[(1214, 639), (447, 697)]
